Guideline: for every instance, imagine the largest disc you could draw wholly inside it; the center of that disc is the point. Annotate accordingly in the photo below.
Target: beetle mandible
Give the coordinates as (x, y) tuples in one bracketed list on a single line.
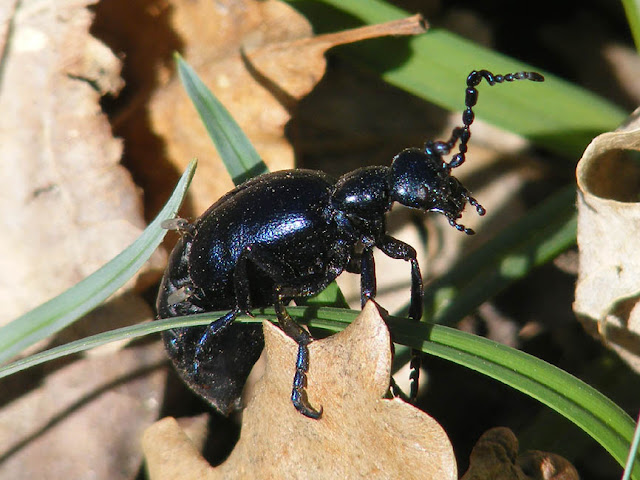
[(287, 235)]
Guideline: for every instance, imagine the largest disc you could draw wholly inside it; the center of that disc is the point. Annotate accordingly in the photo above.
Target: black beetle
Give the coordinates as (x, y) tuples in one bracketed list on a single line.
[(287, 235)]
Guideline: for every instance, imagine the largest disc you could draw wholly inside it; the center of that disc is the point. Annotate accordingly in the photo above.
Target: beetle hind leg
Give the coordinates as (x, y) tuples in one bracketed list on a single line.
[(214, 328)]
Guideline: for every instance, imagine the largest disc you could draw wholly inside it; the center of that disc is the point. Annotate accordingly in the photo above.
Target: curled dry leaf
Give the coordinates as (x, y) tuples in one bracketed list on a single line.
[(608, 289), (259, 60), (495, 457), (360, 435)]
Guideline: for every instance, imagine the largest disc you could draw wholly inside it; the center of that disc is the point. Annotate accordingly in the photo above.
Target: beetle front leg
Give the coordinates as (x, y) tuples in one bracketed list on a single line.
[(303, 339), (363, 264), (397, 249)]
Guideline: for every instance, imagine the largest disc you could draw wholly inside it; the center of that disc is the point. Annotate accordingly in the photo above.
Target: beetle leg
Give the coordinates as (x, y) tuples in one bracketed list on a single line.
[(397, 249), (243, 305), (211, 331), (367, 276), (355, 263), (179, 224), (288, 325), (303, 339)]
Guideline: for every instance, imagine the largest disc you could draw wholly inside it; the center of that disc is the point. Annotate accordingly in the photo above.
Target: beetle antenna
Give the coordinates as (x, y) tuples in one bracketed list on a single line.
[(470, 99)]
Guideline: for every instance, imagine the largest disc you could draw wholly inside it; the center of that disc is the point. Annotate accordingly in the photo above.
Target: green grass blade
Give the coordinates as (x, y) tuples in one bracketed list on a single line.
[(434, 66), (633, 452), (632, 11), (583, 405), (238, 155), (67, 307)]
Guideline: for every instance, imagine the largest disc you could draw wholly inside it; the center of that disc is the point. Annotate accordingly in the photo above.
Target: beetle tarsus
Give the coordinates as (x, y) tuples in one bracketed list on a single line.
[(303, 339), (298, 392)]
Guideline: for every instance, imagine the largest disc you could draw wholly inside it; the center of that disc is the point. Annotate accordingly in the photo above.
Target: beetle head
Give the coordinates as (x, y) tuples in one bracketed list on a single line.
[(422, 180)]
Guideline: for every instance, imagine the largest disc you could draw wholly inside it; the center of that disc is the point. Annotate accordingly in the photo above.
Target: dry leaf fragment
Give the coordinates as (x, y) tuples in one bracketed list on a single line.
[(259, 61), (608, 289), (85, 419), (495, 457), (547, 466), (68, 205), (360, 435)]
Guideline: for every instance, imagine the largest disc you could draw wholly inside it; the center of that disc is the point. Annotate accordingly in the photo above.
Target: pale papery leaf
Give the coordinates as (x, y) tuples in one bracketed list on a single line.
[(82, 418), (608, 288), (68, 208), (68, 205), (360, 435)]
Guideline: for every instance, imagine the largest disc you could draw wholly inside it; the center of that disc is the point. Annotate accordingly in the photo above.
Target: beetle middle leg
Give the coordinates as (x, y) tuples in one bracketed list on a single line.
[(269, 266), (397, 249), (303, 339)]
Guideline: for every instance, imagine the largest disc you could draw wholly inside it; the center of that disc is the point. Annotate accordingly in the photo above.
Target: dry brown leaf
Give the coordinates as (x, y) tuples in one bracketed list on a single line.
[(608, 288), (85, 420), (495, 457), (86, 416), (360, 435), (547, 466), (259, 60), (68, 207)]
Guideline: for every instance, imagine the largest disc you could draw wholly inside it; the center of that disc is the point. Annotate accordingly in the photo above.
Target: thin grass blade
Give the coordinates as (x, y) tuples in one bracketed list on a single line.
[(67, 307), (238, 155), (598, 416), (632, 11)]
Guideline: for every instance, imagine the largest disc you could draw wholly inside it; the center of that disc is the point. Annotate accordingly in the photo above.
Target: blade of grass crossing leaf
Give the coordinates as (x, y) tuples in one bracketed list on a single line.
[(238, 154), (67, 307), (569, 396), (583, 405), (140, 330)]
